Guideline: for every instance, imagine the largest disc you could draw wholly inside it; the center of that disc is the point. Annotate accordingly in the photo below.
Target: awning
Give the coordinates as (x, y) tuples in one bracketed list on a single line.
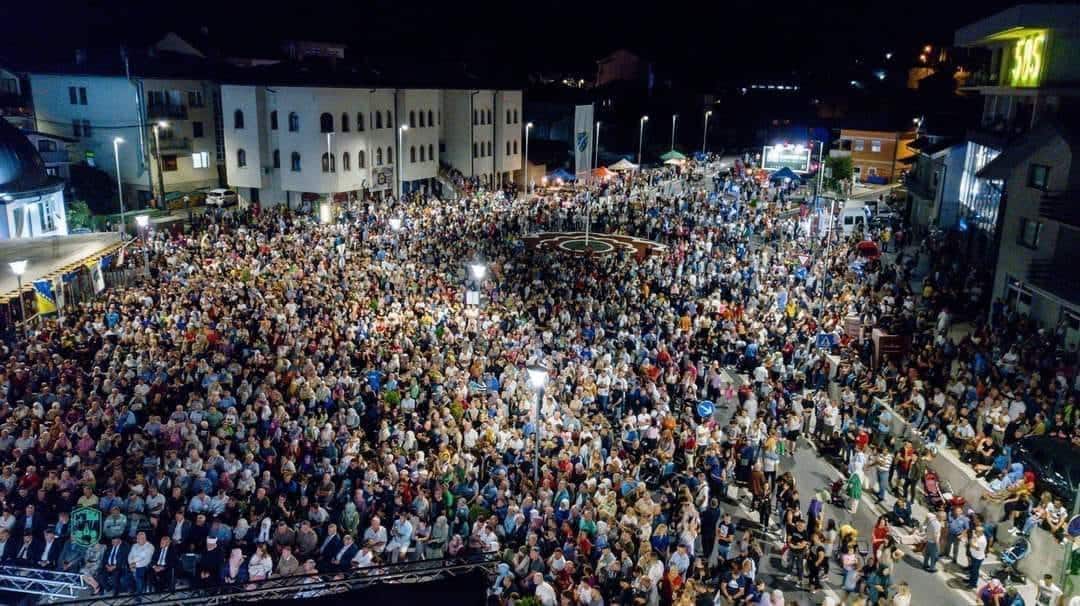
[(560, 174), (602, 172), (623, 164), (672, 155)]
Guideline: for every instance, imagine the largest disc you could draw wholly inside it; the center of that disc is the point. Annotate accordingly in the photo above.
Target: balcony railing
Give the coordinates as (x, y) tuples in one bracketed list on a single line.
[(1061, 206), (59, 156), (176, 144), (165, 112)]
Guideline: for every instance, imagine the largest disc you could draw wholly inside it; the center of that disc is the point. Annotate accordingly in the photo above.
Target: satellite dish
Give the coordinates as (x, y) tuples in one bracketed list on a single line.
[(1073, 529)]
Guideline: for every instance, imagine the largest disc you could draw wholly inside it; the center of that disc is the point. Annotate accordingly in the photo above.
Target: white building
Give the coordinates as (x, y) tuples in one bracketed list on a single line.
[(31, 200), (95, 109), (287, 143)]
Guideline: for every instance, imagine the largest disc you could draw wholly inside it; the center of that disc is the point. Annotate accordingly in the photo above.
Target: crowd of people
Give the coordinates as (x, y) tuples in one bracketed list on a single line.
[(287, 397)]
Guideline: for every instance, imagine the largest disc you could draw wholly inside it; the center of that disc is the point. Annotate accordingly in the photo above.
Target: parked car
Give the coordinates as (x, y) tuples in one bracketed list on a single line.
[(221, 197), (1056, 463), (80, 230)]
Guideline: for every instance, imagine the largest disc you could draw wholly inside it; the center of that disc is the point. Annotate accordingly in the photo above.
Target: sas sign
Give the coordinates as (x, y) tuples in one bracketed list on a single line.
[(1027, 60)]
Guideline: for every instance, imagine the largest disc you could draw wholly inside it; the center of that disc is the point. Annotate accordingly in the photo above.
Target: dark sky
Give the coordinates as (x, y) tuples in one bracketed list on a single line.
[(707, 35)]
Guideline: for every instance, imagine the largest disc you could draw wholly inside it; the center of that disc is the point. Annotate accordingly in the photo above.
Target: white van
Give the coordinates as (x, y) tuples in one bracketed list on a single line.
[(852, 217)]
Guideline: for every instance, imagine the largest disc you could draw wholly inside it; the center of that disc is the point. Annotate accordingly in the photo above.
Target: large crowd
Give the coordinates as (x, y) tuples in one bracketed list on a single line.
[(288, 397)]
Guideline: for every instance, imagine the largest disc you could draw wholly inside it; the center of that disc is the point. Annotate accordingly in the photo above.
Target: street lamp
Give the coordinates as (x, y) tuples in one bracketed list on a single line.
[(641, 137), (705, 131), (596, 144), (161, 171), (538, 378), (674, 117), (119, 186), (528, 127), (142, 221), (19, 268), (401, 159)]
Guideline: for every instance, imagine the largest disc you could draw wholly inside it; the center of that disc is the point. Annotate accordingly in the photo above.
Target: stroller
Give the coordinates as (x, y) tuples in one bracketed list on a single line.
[(837, 496), (1009, 559), (938, 493)]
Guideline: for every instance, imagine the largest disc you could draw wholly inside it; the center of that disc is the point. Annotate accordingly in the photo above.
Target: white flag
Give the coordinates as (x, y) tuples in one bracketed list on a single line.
[(583, 141)]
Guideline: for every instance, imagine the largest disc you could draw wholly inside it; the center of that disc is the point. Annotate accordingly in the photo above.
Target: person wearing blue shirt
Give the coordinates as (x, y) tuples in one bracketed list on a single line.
[(958, 523)]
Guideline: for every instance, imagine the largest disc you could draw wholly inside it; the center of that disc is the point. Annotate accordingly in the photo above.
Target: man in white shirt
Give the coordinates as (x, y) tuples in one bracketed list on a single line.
[(545, 593), (139, 558), (977, 552)]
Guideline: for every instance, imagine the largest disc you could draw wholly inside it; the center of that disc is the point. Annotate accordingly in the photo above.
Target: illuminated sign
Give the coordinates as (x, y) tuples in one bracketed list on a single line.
[(1027, 60), (795, 157)]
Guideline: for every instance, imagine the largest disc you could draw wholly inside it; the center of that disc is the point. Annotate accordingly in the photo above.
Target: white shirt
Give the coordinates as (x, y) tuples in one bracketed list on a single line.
[(978, 546), (546, 594), (140, 555)]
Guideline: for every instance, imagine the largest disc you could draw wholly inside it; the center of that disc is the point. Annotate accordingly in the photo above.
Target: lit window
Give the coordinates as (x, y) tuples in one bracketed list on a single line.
[(200, 160), (859, 145), (875, 146)]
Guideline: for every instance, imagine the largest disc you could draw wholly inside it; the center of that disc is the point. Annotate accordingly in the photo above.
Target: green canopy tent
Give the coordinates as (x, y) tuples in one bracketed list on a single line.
[(673, 155)]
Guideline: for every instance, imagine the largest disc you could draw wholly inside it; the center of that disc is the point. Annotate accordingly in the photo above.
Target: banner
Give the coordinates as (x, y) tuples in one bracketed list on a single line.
[(583, 141), (96, 275), (58, 289), (44, 296)]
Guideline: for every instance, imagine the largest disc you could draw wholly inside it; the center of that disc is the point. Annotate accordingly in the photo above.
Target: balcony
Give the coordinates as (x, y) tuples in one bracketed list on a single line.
[(1055, 276), (982, 78), (59, 156), (1061, 206), (176, 144), (167, 112)]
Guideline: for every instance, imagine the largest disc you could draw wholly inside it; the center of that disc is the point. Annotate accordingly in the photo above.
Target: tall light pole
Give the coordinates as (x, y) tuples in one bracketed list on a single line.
[(401, 159), (119, 186), (641, 137), (538, 378), (161, 171), (528, 127), (596, 146), (705, 131), (19, 268), (143, 221), (674, 118)]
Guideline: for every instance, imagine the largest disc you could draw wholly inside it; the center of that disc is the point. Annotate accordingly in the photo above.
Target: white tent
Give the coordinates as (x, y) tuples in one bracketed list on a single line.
[(623, 164)]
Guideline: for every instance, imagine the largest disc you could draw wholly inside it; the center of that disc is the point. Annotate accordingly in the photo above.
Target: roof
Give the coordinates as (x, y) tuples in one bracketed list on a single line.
[(1001, 167), (21, 166), (1017, 19), (930, 149), (38, 133)]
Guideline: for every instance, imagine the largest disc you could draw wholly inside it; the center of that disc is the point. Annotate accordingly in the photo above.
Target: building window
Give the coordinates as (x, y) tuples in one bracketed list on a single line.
[(489, 117), (200, 160), (238, 119), (241, 158), (326, 123), (277, 158), (474, 148), (508, 148), (76, 128), (412, 154), (1029, 233), (474, 120), (86, 128), (412, 119), (168, 163), (431, 152), (389, 155), (378, 119), (430, 118), (515, 147), (195, 98), (509, 116), (875, 146), (73, 95), (389, 119), (361, 161), (859, 145), (328, 162), (422, 153), (359, 122), (294, 122), (515, 116), (422, 123), (296, 161), (491, 148), (378, 156), (273, 120), (197, 130), (1039, 176), (346, 164), (344, 122)]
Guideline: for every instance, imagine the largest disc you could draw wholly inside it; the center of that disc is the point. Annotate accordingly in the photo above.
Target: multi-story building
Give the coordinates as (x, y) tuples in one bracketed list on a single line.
[(94, 109), (287, 143), (875, 154), (933, 181), (1024, 71)]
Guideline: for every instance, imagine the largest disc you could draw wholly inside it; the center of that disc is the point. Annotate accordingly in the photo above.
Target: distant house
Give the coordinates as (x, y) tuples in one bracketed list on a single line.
[(31, 199)]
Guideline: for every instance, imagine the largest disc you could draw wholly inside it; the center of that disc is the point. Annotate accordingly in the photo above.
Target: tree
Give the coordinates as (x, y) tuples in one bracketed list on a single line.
[(837, 169), (96, 187), (78, 215)]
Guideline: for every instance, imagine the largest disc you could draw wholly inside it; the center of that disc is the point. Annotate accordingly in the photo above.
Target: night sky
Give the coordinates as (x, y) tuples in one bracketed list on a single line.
[(525, 36)]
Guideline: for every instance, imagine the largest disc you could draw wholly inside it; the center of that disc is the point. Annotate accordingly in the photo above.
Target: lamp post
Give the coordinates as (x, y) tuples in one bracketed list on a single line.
[(641, 137), (19, 268), (705, 131), (161, 172), (119, 186), (674, 118), (401, 158), (596, 145), (528, 127), (538, 378), (143, 221)]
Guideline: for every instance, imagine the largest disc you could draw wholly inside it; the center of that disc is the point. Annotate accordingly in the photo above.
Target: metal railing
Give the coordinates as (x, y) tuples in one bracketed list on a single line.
[(176, 144), (309, 585), (48, 583), (165, 111)]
